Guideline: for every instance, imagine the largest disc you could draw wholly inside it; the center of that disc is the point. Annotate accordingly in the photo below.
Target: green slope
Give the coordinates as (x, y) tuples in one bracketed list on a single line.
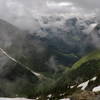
[(91, 56), (82, 70)]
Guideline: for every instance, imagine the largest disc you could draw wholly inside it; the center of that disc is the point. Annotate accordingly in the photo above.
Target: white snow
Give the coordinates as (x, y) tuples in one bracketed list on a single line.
[(72, 86), (13, 59), (96, 89), (49, 96), (93, 79), (83, 85), (62, 94)]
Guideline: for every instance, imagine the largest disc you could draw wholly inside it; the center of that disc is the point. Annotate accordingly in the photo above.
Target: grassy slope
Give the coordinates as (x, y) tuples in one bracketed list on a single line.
[(83, 69), (91, 56)]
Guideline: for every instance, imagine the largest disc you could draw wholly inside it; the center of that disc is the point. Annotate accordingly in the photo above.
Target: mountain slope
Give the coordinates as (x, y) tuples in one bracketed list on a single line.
[(52, 51), (68, 85), (92, 56)]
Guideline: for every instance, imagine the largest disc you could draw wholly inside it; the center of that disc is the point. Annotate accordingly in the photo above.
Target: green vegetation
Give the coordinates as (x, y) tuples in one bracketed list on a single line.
[(92, 56), (29, 86), (82, 70), (87, 67)]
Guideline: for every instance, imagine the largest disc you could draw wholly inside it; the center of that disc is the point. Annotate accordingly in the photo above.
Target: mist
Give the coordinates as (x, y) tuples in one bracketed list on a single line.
[(24, 14), (31, 15), (46, 36)]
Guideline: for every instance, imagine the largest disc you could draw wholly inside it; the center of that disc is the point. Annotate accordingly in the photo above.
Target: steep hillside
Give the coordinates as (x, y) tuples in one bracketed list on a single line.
[(85, 68), (84, 75), (92, 56)]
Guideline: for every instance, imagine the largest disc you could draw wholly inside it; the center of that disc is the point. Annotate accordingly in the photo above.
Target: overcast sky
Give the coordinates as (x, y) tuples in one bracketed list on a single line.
[(20, 7), (25, 10)]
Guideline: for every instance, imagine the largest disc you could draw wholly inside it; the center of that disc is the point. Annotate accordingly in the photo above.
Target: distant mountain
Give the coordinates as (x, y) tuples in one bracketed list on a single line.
[(68, 39)]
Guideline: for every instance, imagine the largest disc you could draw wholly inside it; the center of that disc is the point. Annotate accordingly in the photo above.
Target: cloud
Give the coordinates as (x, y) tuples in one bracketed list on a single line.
[(44, 6), (88, 4), (61, 4), (30, 7), (23, 12), (15, 8)]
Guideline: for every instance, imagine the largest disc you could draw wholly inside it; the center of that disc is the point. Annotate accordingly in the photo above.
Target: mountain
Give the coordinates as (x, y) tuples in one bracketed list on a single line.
[(67, 39), (58, 51), (21, 58), (82, 81), (11, 72)]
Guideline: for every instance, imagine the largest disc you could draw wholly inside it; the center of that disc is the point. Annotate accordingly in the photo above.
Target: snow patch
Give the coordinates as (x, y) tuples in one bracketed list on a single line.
[(49, 96), (83, 85), (62, 94), (96, 89), (93, 79), (72, 86)]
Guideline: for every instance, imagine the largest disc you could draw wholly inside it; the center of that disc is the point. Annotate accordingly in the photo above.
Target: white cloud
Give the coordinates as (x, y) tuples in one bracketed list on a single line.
[(60, 4), (15, 7), (23, 11)]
